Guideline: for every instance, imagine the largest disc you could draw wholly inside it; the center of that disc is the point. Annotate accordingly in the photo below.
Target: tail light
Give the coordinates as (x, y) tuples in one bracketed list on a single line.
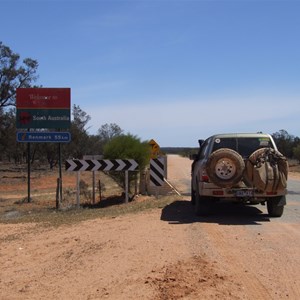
[(204, 177), (271, 193), (218, 193)]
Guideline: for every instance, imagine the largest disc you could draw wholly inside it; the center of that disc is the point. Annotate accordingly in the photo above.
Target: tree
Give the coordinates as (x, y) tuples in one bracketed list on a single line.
[(296, 152), (128, 147), (108, 131), (284, 142), (79, 144), (7, 134), (14, 75), (80, 118)]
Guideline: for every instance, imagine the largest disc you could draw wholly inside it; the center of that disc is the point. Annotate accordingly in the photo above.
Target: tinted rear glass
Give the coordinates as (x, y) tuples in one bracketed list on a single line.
[(244, 146)]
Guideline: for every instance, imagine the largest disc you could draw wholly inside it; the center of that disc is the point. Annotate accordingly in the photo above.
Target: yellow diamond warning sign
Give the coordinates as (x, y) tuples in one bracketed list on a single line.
[(155, 149)]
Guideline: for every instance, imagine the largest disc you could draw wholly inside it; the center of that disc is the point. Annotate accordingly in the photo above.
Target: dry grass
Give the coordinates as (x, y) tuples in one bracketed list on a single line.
[(294, 168), (15, 208)]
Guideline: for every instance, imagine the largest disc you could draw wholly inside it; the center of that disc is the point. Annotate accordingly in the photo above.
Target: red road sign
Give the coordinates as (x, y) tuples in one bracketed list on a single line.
[(43, 98), (43, 107)]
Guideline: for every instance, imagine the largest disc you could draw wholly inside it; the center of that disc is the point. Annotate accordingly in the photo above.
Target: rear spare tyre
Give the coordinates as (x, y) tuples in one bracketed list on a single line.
[(225, 167)]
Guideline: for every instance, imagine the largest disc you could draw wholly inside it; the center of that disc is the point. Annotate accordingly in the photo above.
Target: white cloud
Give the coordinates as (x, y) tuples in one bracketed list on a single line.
[(187, 120)]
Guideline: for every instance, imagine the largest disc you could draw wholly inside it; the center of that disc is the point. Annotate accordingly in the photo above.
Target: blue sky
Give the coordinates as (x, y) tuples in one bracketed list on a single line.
[(174, 70)]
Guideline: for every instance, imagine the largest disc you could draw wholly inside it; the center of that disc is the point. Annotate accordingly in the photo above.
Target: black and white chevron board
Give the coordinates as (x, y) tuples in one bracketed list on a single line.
[(157, 171), (101, 165)]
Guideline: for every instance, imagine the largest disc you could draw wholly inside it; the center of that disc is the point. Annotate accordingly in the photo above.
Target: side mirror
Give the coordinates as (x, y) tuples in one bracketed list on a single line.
[(200, 142)]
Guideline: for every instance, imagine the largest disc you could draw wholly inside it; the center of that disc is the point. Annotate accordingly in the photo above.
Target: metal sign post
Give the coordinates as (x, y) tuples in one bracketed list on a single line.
[(28, 171), (89, 157), (78, 190), (60, 173), (126, 186)]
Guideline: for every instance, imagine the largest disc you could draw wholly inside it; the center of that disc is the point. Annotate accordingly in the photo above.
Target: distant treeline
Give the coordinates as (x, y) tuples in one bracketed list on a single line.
[(82, 143), (287, 144), (183, 151)]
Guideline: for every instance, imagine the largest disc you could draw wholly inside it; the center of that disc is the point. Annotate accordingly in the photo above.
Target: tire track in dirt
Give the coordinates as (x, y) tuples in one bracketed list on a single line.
[(230, 256), (255, 257)]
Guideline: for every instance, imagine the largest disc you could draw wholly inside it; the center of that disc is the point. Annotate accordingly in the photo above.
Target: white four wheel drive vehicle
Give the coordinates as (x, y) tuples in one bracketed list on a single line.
[(245, 168)]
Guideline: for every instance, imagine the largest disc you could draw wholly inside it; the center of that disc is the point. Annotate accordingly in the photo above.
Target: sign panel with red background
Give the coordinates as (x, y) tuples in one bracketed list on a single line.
[(43, 107)]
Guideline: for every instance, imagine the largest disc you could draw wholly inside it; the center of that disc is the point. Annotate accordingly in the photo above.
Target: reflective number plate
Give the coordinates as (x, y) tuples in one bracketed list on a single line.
[(244, 193)]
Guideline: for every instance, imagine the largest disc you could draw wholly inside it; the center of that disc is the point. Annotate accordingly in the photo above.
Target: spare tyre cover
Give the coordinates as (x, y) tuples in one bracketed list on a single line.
[(267, 170), (225, 167)]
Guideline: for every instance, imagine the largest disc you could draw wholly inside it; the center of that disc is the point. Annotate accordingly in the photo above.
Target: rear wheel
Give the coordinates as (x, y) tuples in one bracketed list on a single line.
[(193, 200), (275, 206), (202, 204)]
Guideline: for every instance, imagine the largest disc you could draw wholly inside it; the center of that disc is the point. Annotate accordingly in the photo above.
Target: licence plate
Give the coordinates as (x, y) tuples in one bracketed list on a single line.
[(244, 193)]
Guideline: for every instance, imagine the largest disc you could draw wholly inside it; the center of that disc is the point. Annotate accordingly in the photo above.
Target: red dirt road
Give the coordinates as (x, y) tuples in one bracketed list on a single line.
[(167, 253)]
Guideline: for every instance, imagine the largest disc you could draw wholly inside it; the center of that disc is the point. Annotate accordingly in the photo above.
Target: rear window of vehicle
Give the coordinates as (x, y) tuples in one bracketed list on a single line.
[(244, 146)]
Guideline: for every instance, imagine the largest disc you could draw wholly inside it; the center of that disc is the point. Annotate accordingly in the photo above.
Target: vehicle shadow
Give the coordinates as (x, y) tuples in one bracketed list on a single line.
[(183, 212)]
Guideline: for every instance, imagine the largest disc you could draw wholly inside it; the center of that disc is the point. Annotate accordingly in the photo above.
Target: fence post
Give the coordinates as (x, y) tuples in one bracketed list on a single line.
[(57, 193), (78, 190), (126, 186), (94, 183), (99, 187)]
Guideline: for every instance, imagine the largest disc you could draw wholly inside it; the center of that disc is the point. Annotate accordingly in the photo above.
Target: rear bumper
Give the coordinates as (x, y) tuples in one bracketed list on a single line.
[(238, 193)]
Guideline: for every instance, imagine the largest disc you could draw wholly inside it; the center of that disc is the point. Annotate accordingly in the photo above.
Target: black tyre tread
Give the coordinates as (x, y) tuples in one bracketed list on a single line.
[(202, 204), (275, 211)]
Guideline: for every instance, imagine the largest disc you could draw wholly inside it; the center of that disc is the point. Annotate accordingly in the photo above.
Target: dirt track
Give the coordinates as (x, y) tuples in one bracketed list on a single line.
[(161, 254)]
